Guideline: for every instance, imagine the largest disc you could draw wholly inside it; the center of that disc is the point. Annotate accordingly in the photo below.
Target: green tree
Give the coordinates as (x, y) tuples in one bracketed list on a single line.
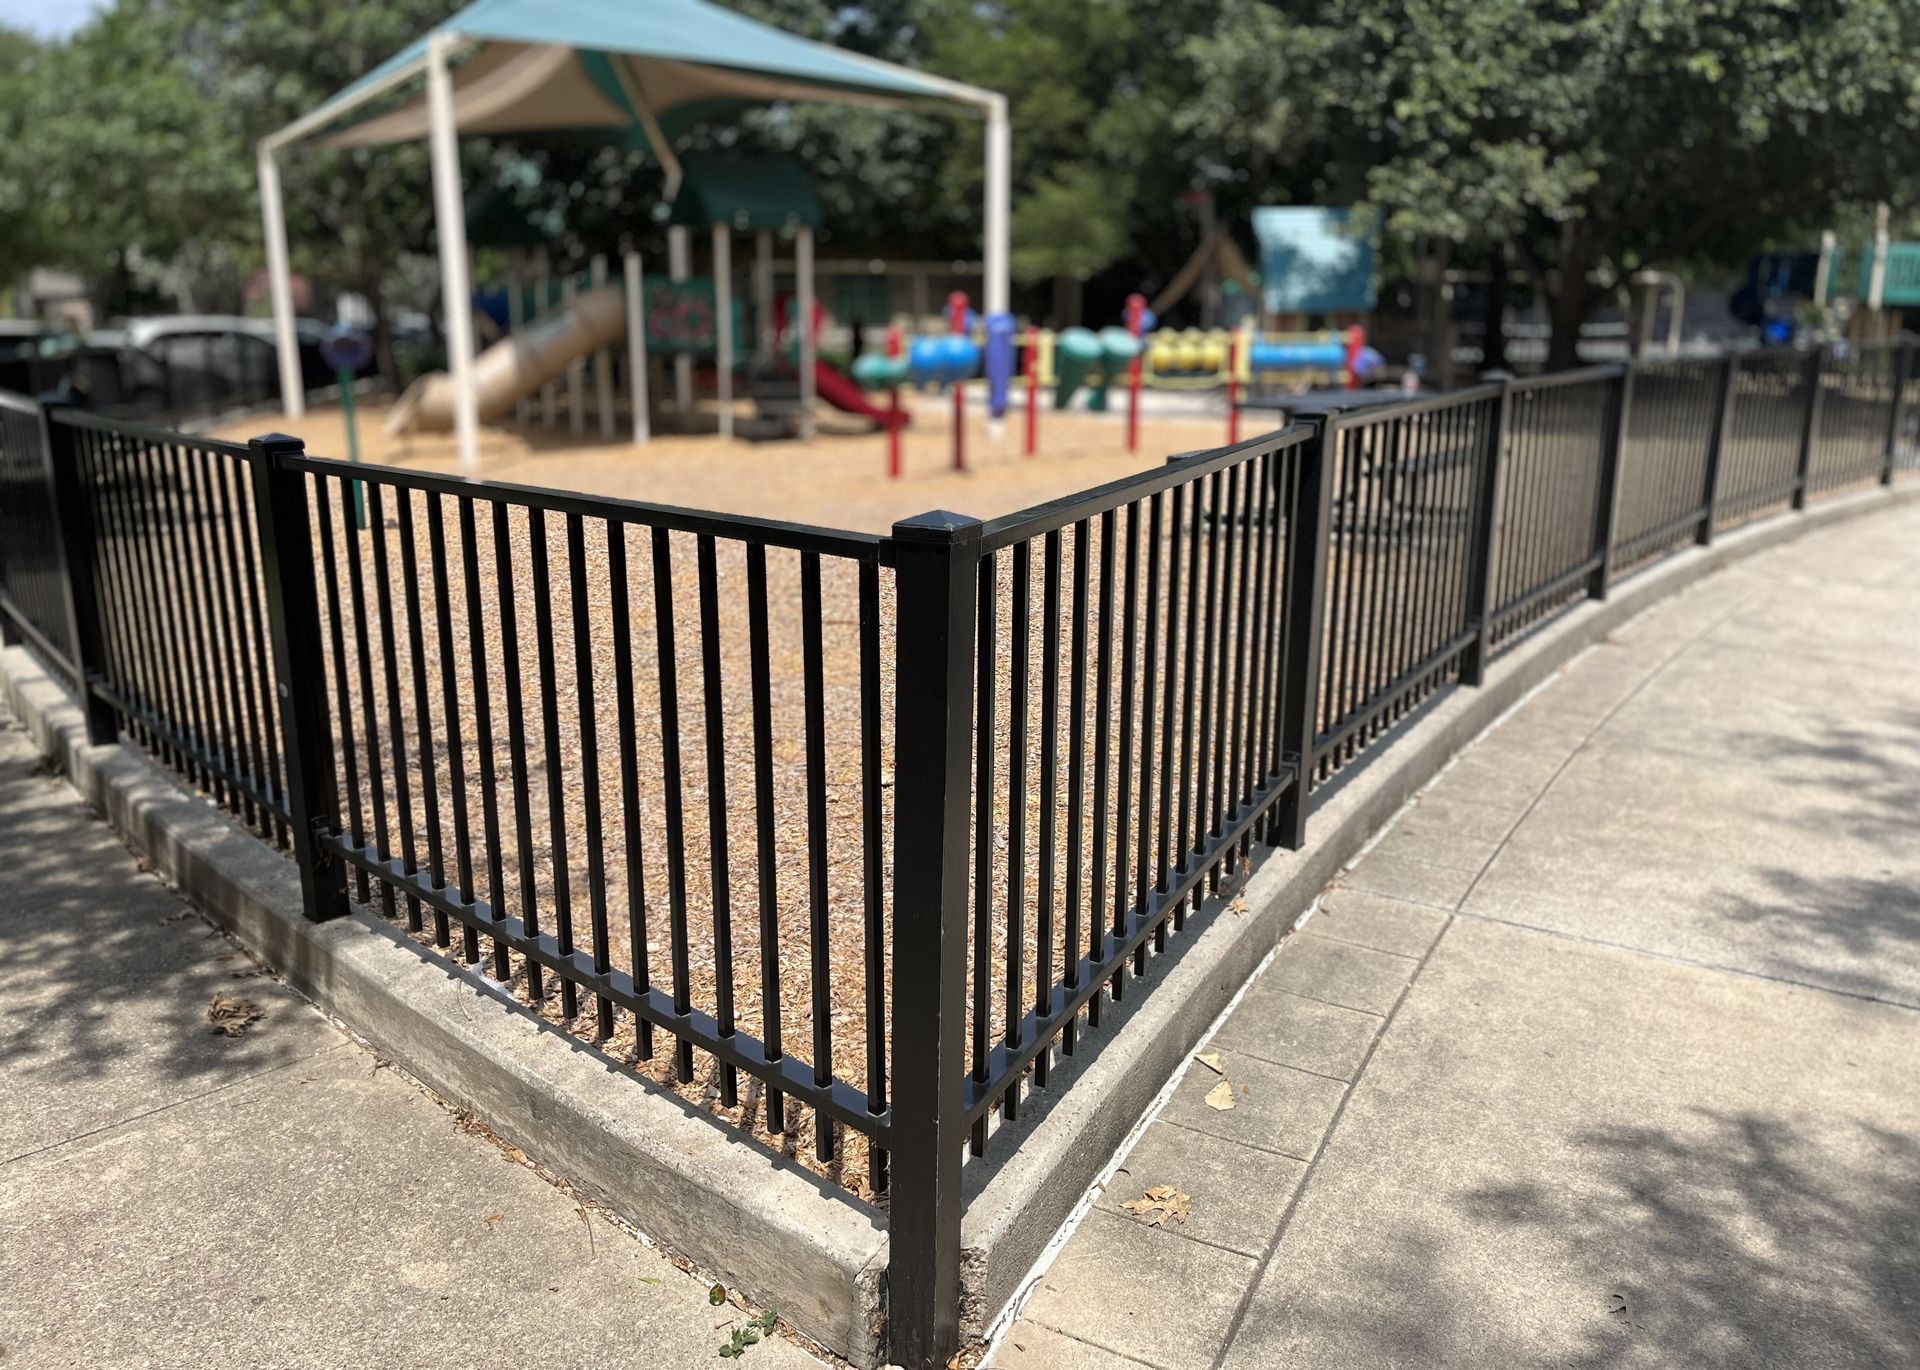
[(1599, 137)]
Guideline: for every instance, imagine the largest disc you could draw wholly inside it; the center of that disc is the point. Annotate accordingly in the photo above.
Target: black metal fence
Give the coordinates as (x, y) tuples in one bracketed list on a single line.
[(868, 827)]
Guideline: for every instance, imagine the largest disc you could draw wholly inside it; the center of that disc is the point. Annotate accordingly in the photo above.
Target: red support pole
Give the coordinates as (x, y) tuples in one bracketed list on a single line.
[(1136, 321), (1233, 387), (893, 429), (1356, 344), (1033, 389), (957, 324)]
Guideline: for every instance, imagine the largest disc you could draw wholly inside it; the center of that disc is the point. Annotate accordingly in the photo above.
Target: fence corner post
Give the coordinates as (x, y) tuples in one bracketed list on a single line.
[(1722, 433), (1606, 504), (73, 534), (1486, 523), (299, 663), (1303, 625), (1902, 372), (1810, 427), (936, 566)]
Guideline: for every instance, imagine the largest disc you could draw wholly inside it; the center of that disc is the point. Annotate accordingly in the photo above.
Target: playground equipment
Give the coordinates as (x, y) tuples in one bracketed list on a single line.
[(1074, 361), (503, 67)]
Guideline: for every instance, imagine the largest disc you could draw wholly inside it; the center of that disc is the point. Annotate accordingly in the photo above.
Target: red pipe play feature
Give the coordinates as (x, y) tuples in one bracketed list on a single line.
[(957, 324)]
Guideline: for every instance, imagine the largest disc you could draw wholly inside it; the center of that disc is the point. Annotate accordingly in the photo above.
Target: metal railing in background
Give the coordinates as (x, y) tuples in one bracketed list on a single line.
[(927, 803), (35, 604), (1407, 489)]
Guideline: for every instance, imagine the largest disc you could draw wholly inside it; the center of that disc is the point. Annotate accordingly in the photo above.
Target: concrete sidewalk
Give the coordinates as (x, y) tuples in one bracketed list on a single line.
[(1607, 1054), (171, 1197)]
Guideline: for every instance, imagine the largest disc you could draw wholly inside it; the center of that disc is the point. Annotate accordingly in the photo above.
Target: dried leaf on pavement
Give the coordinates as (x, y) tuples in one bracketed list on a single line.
[(1159, 1204), (1221, 1096), (232, 1015), (1212, 1061)]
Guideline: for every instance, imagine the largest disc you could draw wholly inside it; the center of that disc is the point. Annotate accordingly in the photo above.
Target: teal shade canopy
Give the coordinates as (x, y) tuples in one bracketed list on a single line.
[(617, 65)]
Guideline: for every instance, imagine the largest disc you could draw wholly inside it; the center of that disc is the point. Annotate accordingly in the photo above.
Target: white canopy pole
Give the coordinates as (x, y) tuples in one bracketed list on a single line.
[(450, 235), (637, 346), (803, 312), (999, 208), (293, 392)]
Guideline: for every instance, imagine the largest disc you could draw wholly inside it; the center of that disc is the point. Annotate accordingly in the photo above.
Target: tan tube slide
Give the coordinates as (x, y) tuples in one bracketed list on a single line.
[(518, 365)]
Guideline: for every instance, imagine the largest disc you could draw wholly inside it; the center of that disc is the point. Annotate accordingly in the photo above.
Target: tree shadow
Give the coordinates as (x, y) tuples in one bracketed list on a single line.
[(107, 976), (1742, 1239), (1865, 780)]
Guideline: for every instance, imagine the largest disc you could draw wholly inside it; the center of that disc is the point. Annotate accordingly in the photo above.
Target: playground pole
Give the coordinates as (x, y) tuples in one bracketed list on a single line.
[(450, 236), (293, 396), (517, 317), (957, 325), (723, 325), (1233, 387), (603, 362), (996, 250), (1033, 388), (543, 294), (803, 298), (637, 348), (893, 429), (763, 295), (1136, 320), (576, 369), (678, 269)]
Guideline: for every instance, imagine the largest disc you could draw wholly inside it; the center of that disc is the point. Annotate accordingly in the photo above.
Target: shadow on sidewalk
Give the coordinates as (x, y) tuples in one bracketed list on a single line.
[(1746, 1242), (103, 970)]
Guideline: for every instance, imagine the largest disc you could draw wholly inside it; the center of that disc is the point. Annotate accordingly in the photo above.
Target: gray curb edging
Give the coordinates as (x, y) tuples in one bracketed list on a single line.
[(765, 1226), (1069, 1131)]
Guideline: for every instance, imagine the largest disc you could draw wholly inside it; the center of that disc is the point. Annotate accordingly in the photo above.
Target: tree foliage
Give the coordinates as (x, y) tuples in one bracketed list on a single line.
[(1591, 137)]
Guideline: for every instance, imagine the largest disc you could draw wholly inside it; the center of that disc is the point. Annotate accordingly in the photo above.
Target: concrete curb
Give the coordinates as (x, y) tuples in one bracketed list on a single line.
[(1037, 1170), (760, 1223)]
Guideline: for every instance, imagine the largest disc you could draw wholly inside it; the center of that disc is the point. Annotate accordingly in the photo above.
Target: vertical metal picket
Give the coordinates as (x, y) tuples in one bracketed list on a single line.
[(73, 537), (300, 668), (1809, 427), (1606, 504), (936, 567), (1717, 448), (1902, 364), (1486, 521), (1305, 588)]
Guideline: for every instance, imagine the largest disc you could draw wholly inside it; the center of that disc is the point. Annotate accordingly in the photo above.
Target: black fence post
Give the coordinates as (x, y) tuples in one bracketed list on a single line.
[(1305, 588), (1728, 387), (936, 568), (299, 663), (1606, 504), (1810, 427), (74, 542), (1486, 522), (1902, 363)]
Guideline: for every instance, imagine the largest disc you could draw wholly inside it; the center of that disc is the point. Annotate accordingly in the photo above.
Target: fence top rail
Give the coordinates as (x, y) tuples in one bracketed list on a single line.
[(143, 432), (1378, 416), (1579, 375), (24, 404), (739, 527), (1057, 514)]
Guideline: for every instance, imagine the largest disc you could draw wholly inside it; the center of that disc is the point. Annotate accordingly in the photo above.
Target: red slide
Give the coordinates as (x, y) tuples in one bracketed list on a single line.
[(838, 389)]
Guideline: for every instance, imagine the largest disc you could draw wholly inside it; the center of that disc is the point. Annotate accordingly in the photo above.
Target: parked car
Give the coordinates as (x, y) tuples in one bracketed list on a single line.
[(171, 366)]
